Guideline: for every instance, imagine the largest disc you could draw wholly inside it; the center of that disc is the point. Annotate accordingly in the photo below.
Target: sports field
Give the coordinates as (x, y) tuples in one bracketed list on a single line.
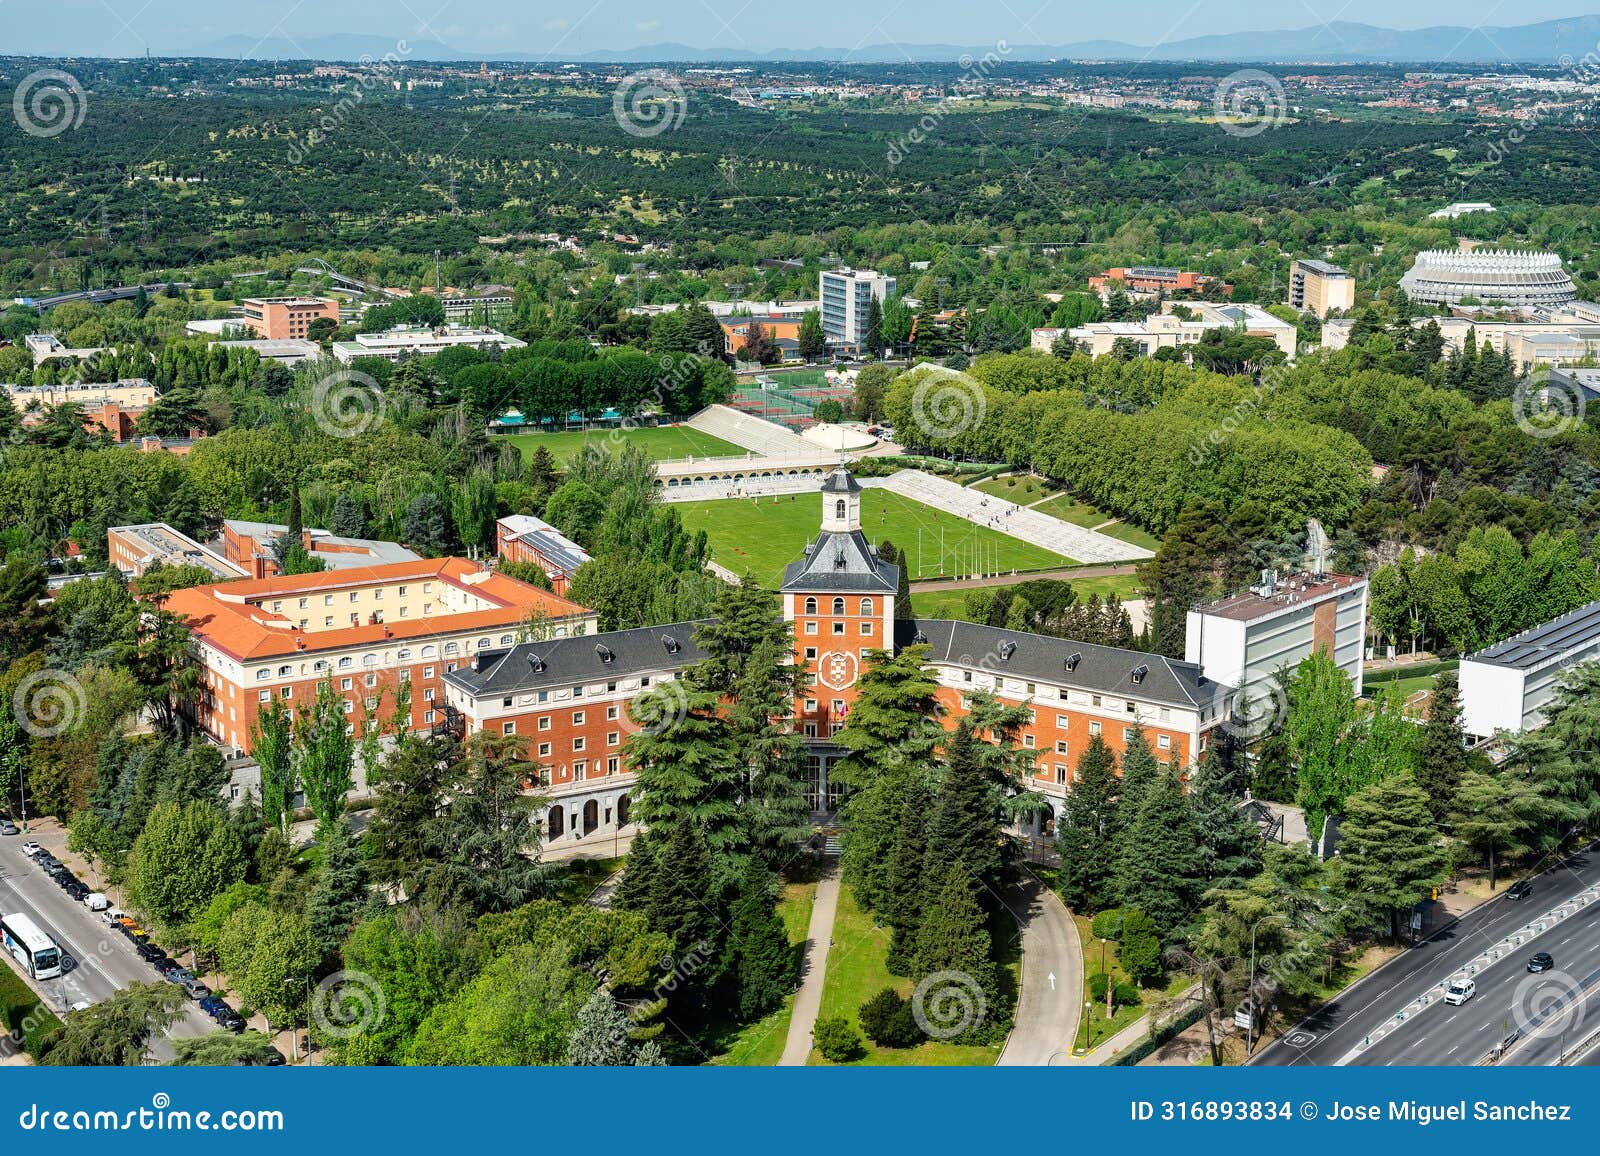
[(664, 443), (763, 537)]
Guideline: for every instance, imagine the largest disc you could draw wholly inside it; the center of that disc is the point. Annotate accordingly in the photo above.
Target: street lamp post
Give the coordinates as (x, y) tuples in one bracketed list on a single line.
[(1250, 1032)]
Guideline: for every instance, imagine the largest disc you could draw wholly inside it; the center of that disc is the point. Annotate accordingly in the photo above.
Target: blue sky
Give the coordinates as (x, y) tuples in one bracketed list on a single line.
[(128, 27)]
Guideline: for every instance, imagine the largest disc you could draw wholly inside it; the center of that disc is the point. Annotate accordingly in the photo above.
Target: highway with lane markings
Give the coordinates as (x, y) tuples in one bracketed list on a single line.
[(1360, 1027)]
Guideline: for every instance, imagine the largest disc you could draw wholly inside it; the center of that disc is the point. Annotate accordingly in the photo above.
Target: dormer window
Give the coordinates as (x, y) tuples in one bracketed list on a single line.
[(670, 643), (1007, 649), (605, 652), (1138, 674), (1072, 660)]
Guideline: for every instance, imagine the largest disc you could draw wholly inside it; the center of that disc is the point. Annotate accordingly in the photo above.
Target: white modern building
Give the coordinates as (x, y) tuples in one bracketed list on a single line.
[(1243, 641), (847, 295), (1460, 209), (1169, 330), (1505, 686), (1449, 276), (420, 341)]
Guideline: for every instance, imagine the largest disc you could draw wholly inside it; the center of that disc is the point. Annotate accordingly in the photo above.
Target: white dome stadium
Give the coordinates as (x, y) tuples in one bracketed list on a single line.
[(1445, 277)]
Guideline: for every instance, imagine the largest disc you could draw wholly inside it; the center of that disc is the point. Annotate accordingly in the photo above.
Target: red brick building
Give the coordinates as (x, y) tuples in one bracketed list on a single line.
[(570, 696)]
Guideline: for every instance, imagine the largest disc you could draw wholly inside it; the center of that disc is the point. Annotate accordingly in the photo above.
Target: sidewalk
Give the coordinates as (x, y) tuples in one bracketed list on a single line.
[(819, 938), (1105, 1051)]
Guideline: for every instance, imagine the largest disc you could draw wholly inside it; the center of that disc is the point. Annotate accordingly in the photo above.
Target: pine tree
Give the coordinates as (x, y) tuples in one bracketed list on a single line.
[(339, 893), (686, 763), (1498, 811), (684, 902), (1159, 861), (600, 1038), (1229, 841), (649, 1056), (639, 875), (1441, 758), (892, 554), (813, 341), (1390, 853), (872, 330), (964, 831), (891, 736), (1086, 831), (902, 905), (763, 961), (954, 938), (1140, 769), (347, 519)]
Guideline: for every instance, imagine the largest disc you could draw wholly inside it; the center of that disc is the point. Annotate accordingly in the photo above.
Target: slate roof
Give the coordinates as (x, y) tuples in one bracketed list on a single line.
[(841, 562), (566, 661), (1035, 657)]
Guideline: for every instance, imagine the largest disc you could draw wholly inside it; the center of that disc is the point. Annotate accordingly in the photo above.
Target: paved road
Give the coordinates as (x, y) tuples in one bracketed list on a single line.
[(1440, 1034), (103, 960), (1052, 976)]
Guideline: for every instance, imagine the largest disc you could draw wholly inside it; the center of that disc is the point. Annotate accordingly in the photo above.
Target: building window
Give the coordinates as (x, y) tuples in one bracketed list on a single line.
[(544, 750), (346, 684), (838, 628), (811, 606), (1094, 728), (427, 716), (577, 718), (612, 713), (838, 605), (1027, 741), (1061, 774), (266, 696), (866, 628), (371, 680), (811, 628), (866, 607), (1061, 746), (1164, 742), (811, 653), (509, 728), (1127, 734), (544, 722), (1166, 714), (1094, 700), (613, 738), (577, 743)]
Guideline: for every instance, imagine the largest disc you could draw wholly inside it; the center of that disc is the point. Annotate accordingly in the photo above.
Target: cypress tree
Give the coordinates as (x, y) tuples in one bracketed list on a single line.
[(638, 877), (683, 901), (339, 893), (964, 833), (1441, 759), (954, 938), (1159, 865), (1230, 844), (764, 963), (902, 907), (1086, 833)]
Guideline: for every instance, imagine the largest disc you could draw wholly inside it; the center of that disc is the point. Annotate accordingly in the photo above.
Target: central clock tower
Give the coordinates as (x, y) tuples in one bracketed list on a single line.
[(839, 599)]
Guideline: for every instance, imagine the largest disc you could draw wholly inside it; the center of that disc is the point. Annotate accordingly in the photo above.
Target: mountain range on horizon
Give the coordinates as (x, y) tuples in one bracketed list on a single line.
[(1550, 42)]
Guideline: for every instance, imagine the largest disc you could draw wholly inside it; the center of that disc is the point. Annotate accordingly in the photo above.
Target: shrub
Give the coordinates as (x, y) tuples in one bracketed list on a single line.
[(1108, 924), (888, 1020), (838, 1042), (1141, 950), (1097, 987), (1125, 994)]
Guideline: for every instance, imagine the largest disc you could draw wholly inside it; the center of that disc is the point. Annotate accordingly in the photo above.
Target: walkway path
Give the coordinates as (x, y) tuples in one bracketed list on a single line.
[(1052, 977), (819, 937)]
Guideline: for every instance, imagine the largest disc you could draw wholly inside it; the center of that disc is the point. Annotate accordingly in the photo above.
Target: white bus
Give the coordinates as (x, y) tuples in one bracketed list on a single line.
[(35, 950)]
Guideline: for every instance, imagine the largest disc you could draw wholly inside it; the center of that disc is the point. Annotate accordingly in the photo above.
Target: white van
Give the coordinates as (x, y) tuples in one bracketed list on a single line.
[(1459, 991)]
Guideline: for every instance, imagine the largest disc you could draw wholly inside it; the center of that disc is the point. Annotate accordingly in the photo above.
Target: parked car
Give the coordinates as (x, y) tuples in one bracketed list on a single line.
[(1459, 991), (78, 891), (149, 952), (213, 1006), (1520, 890), (231, 1021), (166, 967), (7, 827), (194, 988), (32, 849), (1541, 961), (114, 916), (275, 1059), (96, 901)]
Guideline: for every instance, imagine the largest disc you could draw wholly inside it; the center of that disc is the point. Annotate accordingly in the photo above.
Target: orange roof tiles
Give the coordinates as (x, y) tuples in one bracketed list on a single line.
[(228, 616)]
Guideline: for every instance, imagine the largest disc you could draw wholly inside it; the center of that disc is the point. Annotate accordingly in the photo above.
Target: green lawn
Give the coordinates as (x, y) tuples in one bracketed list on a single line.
[(856, 973), (1069, 509), (1023, 491), (664, 443), (760, 1045), (761, 538), (951, 603), (1124, 532), (1097, 956)]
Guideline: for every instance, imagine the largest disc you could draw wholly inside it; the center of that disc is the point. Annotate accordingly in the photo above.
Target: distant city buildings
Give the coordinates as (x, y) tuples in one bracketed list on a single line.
[(253, 546), (1461, 209), (1154, 281), (280, 318), (1449, 277), (112, 406), (133, 550), (1319, 288), (489, 307), (420, 341), (847, 296), (1169, 330)]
